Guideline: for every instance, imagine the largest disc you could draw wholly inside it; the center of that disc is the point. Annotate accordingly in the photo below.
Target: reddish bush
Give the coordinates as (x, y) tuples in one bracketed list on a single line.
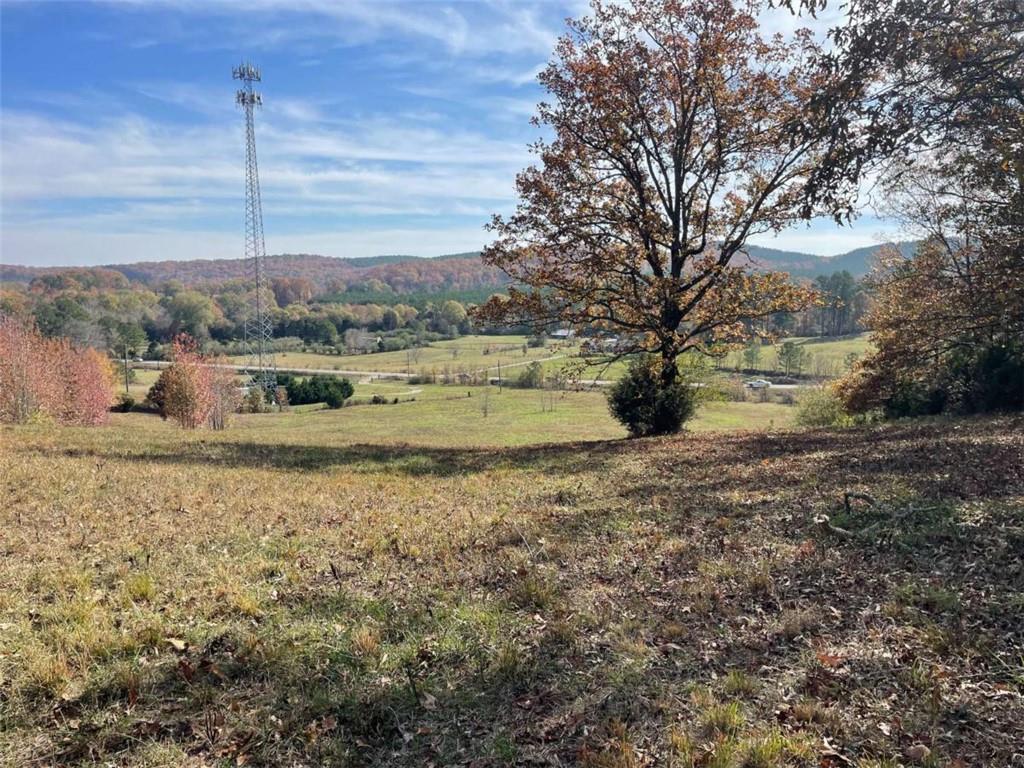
[(225, 395), (88, 382), (51, 377), (196, 389)]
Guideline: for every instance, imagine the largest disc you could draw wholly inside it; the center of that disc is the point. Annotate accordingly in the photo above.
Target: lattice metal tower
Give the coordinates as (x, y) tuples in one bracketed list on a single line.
[(258, 326)]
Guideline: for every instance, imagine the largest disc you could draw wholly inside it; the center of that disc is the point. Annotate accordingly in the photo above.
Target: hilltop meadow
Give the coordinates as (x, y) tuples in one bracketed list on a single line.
[(386, 586)]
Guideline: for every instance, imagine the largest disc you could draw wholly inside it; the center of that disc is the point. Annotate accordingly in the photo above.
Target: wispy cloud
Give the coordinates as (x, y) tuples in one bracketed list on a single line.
[(149, 173), (389, 125), (485, 26)]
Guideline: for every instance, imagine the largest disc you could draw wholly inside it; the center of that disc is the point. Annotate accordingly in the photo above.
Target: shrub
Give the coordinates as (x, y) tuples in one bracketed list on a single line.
[(187, 397), (821, 407), (195, 389), (989, 379), (337, 392), (645, 404), (784, 397), (729, 390), (87, 379), (51, 378), (225, 394), (156, 398), (281, 396), (319, 389), (255, 401), (973, 379), (914, 398)]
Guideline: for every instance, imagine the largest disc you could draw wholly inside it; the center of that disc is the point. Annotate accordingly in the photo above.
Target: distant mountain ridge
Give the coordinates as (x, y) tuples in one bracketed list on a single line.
[(414, 273), (857, 262)]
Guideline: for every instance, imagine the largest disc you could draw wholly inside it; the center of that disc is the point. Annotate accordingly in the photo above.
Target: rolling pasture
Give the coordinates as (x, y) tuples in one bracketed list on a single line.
[(484, 353), (479, 576), (435, 415), (827, 355), (467, 353)]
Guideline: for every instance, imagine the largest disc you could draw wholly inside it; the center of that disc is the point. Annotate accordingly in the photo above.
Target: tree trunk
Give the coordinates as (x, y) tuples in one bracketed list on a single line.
[(669, 368)]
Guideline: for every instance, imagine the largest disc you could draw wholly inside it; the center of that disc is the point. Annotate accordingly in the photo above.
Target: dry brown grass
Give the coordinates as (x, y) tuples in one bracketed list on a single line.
[(280, 599)]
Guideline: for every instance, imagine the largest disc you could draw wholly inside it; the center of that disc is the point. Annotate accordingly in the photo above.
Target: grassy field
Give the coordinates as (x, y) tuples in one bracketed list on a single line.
[(483, 353), (468, 353), (434, 414), (143, 380), (828, 356), (297, 591), (443, 416)]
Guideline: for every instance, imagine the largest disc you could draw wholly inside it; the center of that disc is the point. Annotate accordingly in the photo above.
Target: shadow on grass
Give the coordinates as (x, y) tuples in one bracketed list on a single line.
[(413, 460), (443, 689), (258, 697), (914, 449), (522, 684)]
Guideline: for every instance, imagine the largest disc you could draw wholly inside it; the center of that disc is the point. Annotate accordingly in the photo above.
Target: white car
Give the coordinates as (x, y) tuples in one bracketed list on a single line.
[(758, 384)]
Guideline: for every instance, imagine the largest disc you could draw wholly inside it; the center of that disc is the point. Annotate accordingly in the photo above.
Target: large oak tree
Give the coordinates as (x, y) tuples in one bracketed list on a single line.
[(678, 132)]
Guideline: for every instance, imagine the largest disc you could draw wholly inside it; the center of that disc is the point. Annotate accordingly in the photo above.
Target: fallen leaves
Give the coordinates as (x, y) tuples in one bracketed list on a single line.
[(645, 600)]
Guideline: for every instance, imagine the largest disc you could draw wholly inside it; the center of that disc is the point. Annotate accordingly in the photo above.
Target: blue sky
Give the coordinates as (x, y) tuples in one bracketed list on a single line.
[(387, 128)]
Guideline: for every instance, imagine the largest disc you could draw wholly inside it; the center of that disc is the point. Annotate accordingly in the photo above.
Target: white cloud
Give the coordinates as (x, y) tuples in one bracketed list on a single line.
[(127, 187), (382, 159), (483, 27)]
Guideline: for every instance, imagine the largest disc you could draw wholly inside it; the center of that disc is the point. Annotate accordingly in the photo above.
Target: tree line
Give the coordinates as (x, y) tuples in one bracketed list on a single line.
[(108, 312)]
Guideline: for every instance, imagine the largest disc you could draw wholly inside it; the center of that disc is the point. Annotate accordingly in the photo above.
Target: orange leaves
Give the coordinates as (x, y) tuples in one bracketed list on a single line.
[(198, 389), (955, 296), (88, 380), (52, 377)]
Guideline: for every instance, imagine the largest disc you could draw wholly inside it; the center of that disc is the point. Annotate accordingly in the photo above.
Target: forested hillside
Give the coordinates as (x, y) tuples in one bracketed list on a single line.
[(405, 274), (400, 274)]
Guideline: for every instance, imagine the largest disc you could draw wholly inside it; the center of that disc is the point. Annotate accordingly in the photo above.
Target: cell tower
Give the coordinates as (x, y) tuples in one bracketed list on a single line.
[(258, 328)]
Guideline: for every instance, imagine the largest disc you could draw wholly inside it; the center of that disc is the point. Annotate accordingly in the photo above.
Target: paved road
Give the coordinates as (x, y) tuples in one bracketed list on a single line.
[(158, 364), (367, 376), (521, 363)]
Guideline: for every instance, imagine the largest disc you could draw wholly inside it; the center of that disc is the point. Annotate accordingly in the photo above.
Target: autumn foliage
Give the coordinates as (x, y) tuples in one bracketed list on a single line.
[(196, 389), (678, 133), (948, 331), (52, 378)]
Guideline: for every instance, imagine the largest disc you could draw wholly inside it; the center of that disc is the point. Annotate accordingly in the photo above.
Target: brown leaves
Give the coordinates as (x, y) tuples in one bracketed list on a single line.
[(918, 753), (673, 144), (52, 377)]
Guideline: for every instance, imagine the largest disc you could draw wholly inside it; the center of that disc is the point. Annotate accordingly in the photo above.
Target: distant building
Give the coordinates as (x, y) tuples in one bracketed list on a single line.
[(563, 334)]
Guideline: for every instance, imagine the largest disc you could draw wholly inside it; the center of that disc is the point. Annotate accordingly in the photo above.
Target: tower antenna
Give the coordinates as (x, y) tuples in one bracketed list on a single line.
[(259, 332)]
